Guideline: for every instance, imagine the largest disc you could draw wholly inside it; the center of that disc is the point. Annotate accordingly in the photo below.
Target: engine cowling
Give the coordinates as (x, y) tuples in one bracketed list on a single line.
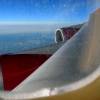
[(64, 34)]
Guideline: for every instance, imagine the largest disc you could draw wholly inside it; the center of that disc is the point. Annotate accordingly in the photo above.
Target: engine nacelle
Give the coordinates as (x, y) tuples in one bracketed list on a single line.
[(64, 34)]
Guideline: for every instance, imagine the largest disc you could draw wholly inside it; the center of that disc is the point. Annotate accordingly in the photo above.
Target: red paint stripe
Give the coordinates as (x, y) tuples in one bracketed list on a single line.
[(16, 68)]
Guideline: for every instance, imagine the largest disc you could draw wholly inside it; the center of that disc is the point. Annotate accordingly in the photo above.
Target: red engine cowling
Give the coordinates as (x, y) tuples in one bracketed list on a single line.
[(66, 33)]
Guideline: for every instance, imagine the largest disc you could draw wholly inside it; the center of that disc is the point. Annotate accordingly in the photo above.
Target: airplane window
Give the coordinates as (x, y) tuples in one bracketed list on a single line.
[(48, 48)]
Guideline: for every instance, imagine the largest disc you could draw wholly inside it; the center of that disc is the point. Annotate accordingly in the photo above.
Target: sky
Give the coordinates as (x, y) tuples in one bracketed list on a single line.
[(46, 11)]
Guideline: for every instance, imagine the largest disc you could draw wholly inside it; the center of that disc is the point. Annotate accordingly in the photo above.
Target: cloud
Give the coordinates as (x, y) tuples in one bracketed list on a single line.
[(28, 28)]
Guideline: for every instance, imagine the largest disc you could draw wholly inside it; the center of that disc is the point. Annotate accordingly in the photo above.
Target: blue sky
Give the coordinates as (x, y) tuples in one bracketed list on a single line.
[(46, 11)]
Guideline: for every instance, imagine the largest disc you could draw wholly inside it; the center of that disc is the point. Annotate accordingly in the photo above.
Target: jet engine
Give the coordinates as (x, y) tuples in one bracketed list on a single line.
[(66, 33)]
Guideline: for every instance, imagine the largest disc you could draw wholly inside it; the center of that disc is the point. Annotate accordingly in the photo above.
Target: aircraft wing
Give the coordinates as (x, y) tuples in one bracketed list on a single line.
[(20, 65)]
